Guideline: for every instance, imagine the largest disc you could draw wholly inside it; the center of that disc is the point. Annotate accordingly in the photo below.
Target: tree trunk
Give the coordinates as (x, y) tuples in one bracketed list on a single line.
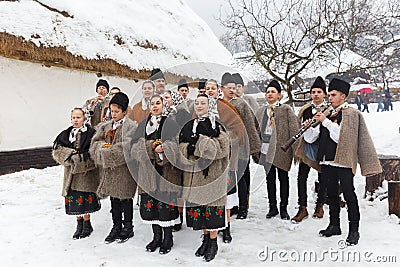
[(390, 172), (394, 197)]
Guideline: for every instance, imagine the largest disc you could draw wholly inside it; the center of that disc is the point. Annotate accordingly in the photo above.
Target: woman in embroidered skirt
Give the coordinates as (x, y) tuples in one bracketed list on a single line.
[(154, 148), (71, 149), (205, 144)]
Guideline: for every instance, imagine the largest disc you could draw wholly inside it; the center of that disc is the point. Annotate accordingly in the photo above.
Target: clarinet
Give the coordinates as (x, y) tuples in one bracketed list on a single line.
[(327, 110)]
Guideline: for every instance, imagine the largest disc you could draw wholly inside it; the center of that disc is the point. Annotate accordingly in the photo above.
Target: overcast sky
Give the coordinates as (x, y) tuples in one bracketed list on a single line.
[(209, 11)]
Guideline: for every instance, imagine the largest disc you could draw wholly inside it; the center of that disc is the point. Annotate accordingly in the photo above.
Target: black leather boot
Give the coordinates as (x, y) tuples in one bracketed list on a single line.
[(283, 212), (212, 250), (226, 234), (234, 210), (178, 226), (126, 232), (352, 238), (168, 241), (114, 234), (116, 213), (242, 213), (204, 245), (87, 229), (330, 231), (79, 228), (273, 211), (157, 238)]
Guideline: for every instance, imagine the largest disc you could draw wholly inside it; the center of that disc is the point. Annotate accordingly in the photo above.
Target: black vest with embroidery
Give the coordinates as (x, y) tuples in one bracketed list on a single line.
[(307, 113), (327, 147)]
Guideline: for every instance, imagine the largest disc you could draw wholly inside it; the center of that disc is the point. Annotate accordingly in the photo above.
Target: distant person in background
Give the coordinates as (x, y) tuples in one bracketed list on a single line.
[(106, 112), (379, 98), (157, 76), (240, 92), (81, 179), (365, 102), (358, 101), (141, 109), (95, 105), (388, 100)]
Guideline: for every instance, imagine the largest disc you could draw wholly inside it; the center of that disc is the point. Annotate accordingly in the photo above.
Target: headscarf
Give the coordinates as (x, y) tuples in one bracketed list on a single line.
[(74, 132), (177, 99), (211, 114), (146, 101), (155, 120)]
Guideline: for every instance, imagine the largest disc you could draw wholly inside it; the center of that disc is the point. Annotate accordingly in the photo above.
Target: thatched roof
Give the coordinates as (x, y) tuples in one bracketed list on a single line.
[(122, 38)]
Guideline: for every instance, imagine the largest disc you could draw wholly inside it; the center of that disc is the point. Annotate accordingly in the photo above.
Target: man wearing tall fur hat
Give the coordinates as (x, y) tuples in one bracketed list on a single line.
[(307, 158), (344, 141)]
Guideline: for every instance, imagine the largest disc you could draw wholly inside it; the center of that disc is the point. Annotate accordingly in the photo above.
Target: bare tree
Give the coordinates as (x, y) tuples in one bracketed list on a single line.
[(285, 37)]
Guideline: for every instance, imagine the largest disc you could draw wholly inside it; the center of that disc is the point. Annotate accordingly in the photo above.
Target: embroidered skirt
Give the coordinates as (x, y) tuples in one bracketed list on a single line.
[(81, 203), (205, 217), (154, 211)]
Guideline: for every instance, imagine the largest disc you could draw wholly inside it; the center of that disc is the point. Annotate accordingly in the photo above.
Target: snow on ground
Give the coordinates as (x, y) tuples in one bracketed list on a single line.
[(35, 231)]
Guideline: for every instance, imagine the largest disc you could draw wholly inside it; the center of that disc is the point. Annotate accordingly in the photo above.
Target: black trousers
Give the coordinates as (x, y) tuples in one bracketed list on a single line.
[(271, 185), (119, 207), (302, 177), (344, 176), (244, 183)]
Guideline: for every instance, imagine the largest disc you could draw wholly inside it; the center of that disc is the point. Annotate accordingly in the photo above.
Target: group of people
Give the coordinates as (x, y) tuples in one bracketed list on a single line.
[(188, 159), (382, 97)]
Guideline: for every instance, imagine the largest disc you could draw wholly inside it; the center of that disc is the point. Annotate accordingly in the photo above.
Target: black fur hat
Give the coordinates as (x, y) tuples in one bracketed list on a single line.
[(182, 83), (202, 84), (274, 84), (319, 83), (121, 100), (238, 79), (104, 83), (156, 74), (227, 78), (339, 85)]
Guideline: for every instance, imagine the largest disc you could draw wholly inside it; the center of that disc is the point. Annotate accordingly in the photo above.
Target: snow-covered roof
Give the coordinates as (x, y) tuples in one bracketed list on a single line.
[(141, 34)]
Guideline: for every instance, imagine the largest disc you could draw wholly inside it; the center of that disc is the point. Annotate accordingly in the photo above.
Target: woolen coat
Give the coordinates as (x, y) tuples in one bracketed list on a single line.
[(116, 179), (286, 126), (207, 190), (79, 174)]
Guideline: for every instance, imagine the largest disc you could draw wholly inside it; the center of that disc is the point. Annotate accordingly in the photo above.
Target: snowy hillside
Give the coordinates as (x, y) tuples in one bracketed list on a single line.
[(141, 34), (35, 231)]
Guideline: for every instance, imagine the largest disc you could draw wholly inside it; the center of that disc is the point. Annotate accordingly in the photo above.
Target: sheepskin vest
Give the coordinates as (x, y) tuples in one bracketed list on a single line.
[(80, 172), (117, 180)]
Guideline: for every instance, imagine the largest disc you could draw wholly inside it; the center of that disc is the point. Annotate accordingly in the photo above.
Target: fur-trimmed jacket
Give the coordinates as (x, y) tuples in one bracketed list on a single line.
[(207, 189), (286, 126), (146, 158), (355, 145), (116, 179), (80, 172)]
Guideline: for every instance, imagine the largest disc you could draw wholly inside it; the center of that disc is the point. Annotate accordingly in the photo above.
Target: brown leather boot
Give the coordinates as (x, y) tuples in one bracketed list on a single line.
[(301, 215), (319, 211)]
